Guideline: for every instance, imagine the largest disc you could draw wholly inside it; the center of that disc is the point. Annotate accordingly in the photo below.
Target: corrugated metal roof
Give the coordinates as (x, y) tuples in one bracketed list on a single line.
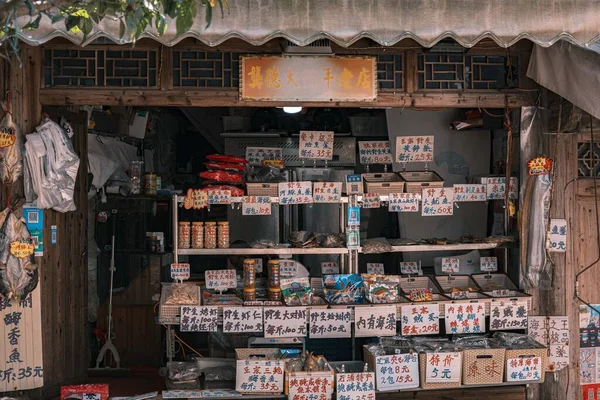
[(384, 21)]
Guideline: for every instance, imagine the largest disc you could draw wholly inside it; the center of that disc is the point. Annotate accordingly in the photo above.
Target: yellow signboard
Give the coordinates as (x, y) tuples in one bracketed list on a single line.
[(306, 78)]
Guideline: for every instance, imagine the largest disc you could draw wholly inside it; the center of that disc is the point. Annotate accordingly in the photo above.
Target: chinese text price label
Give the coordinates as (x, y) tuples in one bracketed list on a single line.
[(199, 319), (414, 149), (242, 319), (256, 205), (354, 184), (403, 202), (306, 385), (355, 386), (288, 268), (285, 321), (259, 376), (329, 268), (558, 235), (508, 315), (375, 152), (295, 193), (180, 272), (371, 200), (195, 199), (8, 136), (437, 201), (256, 155), (495, 188), (22, 248), (450, 265), (375, 268), (375, 321), (219, 196), (554, 333), (471, 192), (316, 145), (327, 192), (399, 371), (488, 264), (332, 323), (409, 267), (464, 318), (524, 369), (443, 367), (420, 319), (220, 279)]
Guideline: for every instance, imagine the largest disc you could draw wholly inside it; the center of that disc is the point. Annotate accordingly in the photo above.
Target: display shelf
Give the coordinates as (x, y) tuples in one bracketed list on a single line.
[(442, 247), (261, 252), (463, 387)]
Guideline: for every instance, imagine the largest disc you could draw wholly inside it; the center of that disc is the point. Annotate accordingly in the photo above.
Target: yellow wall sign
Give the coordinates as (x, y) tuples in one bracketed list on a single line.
[(21, 249), (308, 78), (196, 199)]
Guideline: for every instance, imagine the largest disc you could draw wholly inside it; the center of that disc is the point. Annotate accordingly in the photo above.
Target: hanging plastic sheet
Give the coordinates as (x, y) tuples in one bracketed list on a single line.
[(536, 267), (11, 158)]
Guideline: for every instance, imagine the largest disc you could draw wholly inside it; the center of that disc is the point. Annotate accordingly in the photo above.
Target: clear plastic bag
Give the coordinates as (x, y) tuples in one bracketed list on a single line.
[(376, 246), (223, 373), (180, 371)]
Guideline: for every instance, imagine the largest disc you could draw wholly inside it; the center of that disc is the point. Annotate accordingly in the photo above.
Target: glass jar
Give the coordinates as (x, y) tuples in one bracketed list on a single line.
[(223, 235), (136, 169), (210, 235), (150, 185), (183, 240), (274, 294), (273, 272), (197, 235), (249, 273)]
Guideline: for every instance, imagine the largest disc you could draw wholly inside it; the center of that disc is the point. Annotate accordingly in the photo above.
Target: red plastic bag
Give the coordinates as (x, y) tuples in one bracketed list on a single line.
[(221, 176), (225, 167), (227, 159), (79, 391)]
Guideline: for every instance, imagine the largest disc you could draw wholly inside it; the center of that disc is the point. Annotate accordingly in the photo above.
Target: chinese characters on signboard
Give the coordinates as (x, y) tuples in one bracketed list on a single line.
[(307, 385), (329, 267), (558, 235), (355, 386), (199, 319), (488, 264), (464, 318), (195, 199), (400, 371), (403, 202), (285, 321), (327, 192), (254, 376), (474, 192), (437, 201), (316, 145), (409, 267), (443, 367), (496, 188), (180, 272), (375, 152), (242, 319), (332, 323), (414, 149), (256, 155), (375, 268), (554, 333), (420, 319), (220, 279), (288, 268), (508, 315), (450, 265), (375, 321), (524, 369), (295, 193), (219, 196), (371, 200), (256, 205)]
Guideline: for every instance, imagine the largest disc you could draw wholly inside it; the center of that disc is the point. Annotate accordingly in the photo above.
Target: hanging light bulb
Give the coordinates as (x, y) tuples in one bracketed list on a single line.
[(292, 110)]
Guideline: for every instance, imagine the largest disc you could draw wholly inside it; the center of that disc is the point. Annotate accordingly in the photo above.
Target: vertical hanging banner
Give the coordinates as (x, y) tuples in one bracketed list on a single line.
[(414, 149), (375, 152), (21, 363), (316, 145), (437, 202)]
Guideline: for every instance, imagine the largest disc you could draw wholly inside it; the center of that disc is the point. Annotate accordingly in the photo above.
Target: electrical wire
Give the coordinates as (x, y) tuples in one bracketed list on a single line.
[(595, 222)]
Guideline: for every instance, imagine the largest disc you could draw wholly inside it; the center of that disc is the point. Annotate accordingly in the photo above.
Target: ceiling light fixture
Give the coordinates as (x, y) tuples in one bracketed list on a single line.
[(292, 110)]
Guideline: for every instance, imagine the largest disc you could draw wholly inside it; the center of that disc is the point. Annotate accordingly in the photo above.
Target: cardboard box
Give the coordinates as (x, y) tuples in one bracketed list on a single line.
[(259, 371), (300, 383)]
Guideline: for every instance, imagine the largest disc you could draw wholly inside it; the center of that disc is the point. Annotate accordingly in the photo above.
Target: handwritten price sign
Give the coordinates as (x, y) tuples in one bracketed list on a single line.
[(180, 272), (295, 193), (242, 319), (219, 196), (466, 193), (558, 235), (508, 315), (488, 264), (399, 371), (199, 319), (327, 192), (496, 188), (195, 199), (256, 205), (450, 265), (332, 323), (220, 279), (443, 367), (438, 201), (257, 376), (375, 321), (375, 268), (328, 268), (409, 267), (420, 320), (404, 202), (256, 155), (371, 200), (316, 145), (465, 318), (524, 369), (375, 152), (355, 386), (414, 149), (285, 322)]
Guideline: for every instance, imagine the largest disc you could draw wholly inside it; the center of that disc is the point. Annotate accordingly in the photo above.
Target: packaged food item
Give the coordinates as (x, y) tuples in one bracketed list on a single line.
[(381, 289), (221, 176), (296, 291), (249, 273), (150, 184), (226, 159), (183, 240), (197, 235), (419, 295), (235, 191), (181, 294), (273, 272), (343, 289), (274, 294), (224, 166), (223, 235), (136, 169), (210, 235)]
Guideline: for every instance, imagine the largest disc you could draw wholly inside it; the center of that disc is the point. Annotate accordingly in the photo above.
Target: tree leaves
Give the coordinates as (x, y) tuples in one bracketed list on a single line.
[(186, 16)]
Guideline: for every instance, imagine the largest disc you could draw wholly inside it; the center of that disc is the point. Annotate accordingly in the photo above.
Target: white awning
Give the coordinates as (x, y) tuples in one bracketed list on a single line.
[(387, 22)]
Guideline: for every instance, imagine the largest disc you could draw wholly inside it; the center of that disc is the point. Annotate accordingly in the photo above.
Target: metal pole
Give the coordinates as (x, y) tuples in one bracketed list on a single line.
[(175, 227)]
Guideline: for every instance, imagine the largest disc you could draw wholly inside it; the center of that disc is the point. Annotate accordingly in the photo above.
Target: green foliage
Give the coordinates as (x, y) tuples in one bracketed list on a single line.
[(80, 17)]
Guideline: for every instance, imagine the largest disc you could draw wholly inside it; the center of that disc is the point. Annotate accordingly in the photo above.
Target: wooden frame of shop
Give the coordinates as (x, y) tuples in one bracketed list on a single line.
[(405, 81)]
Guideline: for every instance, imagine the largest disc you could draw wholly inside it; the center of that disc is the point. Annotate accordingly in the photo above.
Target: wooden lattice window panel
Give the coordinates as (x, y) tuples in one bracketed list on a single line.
[(389, 71), (206, 69), (588, 162), (460, 72), (133, 68)]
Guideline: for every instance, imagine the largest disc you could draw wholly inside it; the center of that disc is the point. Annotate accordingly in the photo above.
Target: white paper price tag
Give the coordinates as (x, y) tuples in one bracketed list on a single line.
[(375, 321), (464, 318), (450, 265), (371, 200), (414, 149), (508, 315), (295, 193), (329, 268), (375, 152), (256, 205), (288, 268), (256, 155), (437, 202), (410, 267), (355, 386), (242, 319), (558, 235), (180, 272), (420, 319), (220, 279), (470, 192), (327, 192), (332, 323), (316, 145), (488, 264), (285, 322), (404, 202), (524, 369), (375, 268), (400, 371), (219, 196), (443, 367), (199, 319)]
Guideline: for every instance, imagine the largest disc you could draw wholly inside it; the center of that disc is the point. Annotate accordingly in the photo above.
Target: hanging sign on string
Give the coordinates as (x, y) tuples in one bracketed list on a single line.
[(196, 199), (316, 145), (437, 202), (558, 235), (327, 192), (488, 264), (403, 202), (219, 196), (180, 271), (414, 149), (295, 193), (220, 279), (471, 192), (375, 152)]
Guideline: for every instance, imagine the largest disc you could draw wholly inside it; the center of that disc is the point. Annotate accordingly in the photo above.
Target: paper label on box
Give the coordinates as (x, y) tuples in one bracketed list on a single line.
[(242, 319), (316, 145), (464, 318), (501, 293), (443, 367), (256, 155), (403, 202), (219, 196), (354, 184), (355, 386), (409, 267), (306, 385), (437, 202), (420, 319), (450, 265), (375, 321), (558, 235), (375, 268), (295, 193), (524, 369), (199, 319), (371, 200), (470, 192), (259, 376), (375, 152), (488, 264), (285, 321), (330, 323), (414, 149), (395, 372), (329, 268), (508, 315), (256, 205), (180, 272), (220, 279), (288, 268), (327, 192), (91, 396), (495, 187)]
